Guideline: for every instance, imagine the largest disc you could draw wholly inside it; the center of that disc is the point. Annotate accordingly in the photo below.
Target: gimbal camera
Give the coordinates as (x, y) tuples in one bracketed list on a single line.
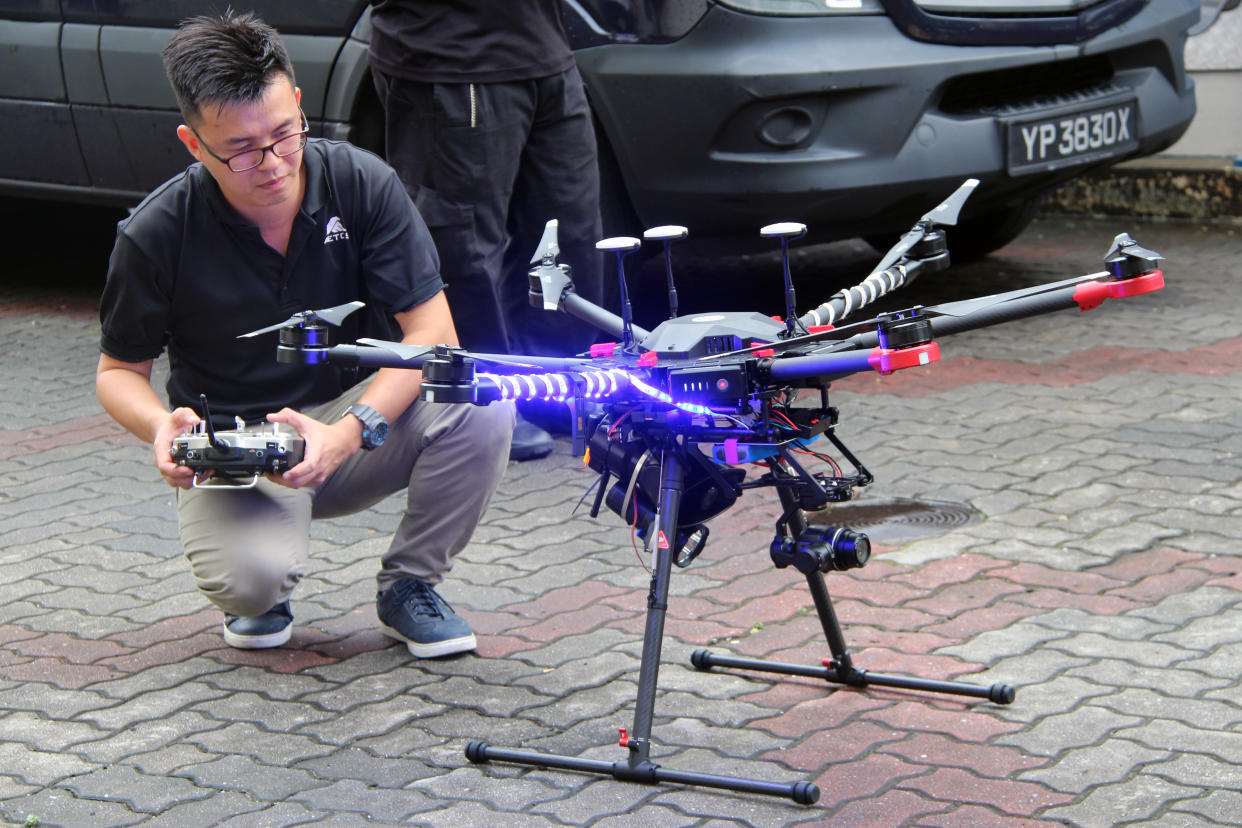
[(673, 421)]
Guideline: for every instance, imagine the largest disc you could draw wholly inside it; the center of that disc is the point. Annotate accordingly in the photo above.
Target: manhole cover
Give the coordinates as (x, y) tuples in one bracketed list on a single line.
[(897, 520)]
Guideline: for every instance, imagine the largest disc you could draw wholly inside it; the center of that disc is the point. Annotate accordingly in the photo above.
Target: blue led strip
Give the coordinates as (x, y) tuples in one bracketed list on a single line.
[(657, 394), (558, 387), (591, 385)]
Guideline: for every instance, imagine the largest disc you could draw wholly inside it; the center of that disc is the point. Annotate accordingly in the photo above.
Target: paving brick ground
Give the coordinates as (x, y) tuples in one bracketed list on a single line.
[(1103, 451)]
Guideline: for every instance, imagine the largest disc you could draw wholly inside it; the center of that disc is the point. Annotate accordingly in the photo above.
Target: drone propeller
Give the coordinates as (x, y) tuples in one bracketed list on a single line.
[(1127, 258), (944, 213), (547, 278), (333, 316), (548, 248), (1123, 245), (399, 349)]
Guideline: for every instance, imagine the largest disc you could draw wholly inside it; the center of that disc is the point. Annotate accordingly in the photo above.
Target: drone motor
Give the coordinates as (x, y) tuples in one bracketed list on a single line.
[(903, 329), (448, 377), (305, 343)]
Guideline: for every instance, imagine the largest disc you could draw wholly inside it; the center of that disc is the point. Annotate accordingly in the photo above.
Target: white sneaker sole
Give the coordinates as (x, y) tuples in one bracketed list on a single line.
[(439, 648), (257, 642)]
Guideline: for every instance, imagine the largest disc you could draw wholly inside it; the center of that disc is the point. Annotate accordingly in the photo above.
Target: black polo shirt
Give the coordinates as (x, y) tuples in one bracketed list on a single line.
[(469, 41), (189, 274)]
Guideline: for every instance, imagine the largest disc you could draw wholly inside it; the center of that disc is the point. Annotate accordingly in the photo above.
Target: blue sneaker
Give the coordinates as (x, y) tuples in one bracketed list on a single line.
[(413, 612), (271, 629)]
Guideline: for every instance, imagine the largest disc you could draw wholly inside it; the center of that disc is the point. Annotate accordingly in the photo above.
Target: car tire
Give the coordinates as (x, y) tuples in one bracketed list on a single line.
[(976, 237), (972, 239)]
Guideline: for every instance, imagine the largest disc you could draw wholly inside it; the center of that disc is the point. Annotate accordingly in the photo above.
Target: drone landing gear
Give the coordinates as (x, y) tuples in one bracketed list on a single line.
[(840, 668), (638, 766)]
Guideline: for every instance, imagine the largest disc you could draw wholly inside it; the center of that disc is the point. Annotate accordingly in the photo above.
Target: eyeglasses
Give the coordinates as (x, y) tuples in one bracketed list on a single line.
[(251, 158)]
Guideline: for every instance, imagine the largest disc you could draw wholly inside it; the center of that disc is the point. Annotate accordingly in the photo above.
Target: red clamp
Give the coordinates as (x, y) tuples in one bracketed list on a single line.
[(648, 359), (603, 349), (1090, 295), (764, 353), (820, 328), (624, 741), (886, 361)]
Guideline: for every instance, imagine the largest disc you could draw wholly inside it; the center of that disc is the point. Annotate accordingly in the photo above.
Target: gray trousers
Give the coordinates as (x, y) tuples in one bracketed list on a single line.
[(248, 548)]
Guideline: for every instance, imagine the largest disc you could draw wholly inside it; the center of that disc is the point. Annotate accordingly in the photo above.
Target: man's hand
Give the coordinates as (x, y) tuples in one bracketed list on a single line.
[(326, 447), (177, 423)]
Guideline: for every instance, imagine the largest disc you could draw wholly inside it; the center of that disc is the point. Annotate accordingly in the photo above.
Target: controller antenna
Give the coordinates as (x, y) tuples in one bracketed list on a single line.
[(622, 246), (668, 234), (787, 231), (215, 441)]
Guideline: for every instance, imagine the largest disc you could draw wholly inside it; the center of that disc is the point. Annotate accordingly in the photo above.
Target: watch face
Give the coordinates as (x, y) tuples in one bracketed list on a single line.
[(374, 427)]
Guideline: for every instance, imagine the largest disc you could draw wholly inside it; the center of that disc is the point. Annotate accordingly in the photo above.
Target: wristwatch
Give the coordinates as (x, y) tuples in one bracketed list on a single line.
[(374, 426)]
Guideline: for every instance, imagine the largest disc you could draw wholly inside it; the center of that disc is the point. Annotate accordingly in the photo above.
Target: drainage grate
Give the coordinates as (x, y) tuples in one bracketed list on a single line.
[(894, 521)]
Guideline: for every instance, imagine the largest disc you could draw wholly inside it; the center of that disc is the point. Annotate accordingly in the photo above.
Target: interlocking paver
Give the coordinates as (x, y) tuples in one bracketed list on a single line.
[(1133, 802), (1103, 579)]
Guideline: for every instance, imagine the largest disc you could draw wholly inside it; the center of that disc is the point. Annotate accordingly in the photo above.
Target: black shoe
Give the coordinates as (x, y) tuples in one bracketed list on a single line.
[(413, 612), (257, 632), (530, 442)]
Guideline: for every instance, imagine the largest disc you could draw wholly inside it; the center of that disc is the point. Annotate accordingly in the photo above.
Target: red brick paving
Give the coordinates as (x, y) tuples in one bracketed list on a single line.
[(890, 808), (1011, 796), (941, 750), (64, 433), (959, 720), (862, 777)]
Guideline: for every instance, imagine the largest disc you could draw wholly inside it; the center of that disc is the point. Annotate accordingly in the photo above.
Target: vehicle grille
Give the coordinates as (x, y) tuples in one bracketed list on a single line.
[(1060, 82), (1017, 22), (998, 8)]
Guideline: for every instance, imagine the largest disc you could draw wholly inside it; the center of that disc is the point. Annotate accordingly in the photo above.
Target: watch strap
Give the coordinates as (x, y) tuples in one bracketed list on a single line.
[(374, 426)]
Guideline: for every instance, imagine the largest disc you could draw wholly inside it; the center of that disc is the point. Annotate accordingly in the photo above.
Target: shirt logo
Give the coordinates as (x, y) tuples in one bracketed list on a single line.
[(336, 231)]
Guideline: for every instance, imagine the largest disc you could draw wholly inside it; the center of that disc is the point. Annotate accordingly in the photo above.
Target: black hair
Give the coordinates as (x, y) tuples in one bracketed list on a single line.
[(223, 59)]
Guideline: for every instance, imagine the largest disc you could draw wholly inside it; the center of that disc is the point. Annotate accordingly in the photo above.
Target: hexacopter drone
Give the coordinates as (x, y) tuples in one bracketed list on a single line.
[(671, 419)]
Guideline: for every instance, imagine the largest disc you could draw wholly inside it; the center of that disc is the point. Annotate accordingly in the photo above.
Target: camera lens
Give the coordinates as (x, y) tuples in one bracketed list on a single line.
[(850, 550)]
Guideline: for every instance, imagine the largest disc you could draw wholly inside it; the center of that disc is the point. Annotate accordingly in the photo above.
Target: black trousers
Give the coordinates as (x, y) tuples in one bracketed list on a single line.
[(488, 165)]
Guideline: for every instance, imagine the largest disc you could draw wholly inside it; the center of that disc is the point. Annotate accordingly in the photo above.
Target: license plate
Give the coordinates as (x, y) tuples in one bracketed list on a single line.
[(1069, 138)]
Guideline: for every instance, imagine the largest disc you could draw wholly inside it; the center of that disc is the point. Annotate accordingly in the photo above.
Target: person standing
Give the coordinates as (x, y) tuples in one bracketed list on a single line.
[(488, 125)]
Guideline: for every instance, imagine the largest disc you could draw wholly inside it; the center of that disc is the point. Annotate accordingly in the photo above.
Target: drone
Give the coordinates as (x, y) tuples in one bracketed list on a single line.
[(673, 421)]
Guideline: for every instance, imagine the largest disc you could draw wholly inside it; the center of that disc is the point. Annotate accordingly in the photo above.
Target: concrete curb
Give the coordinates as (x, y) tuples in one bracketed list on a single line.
[(1196, 189)]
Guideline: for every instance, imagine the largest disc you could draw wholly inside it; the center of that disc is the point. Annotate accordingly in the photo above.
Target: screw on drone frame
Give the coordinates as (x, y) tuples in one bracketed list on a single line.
[(668, 234), (622, 246), (786, 231)]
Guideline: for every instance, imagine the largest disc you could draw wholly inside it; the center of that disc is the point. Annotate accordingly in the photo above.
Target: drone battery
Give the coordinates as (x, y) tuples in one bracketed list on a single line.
[(712, 385)]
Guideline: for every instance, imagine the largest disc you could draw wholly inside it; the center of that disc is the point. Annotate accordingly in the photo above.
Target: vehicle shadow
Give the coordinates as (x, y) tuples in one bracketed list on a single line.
[(55, 252)]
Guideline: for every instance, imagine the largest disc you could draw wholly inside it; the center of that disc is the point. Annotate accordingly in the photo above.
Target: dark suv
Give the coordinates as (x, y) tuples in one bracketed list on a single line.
[(852, 116)]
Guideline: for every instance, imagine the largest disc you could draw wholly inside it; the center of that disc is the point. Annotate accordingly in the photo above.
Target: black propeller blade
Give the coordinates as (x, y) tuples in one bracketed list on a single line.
[(1125, 247), (399, 349), (333, 316), (944, 213)]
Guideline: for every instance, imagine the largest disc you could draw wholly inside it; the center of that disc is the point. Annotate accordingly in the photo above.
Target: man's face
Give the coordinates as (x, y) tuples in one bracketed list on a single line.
[(235, 128)]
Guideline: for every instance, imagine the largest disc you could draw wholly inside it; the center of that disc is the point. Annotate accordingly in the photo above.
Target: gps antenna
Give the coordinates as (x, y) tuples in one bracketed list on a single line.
[(668, 234), (622, 246), (786, 231)]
